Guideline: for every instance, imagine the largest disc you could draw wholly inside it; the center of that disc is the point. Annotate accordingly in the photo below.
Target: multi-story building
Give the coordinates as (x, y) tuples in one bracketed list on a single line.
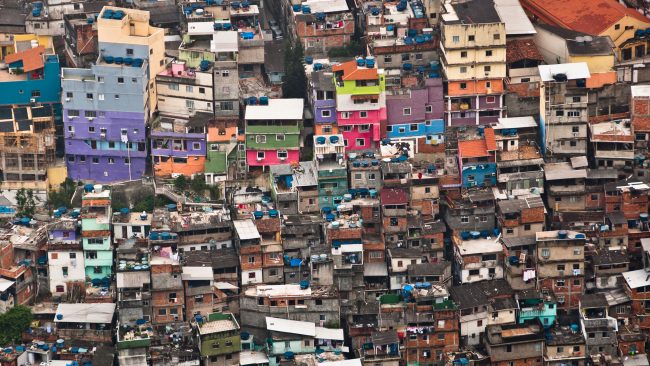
[(563, 110), (131, 225), (599, 329), (474, 212), (519, 263), (218, 339), (96, 216), (565, 186), (514, 344), (133, 282), (476, 258), (360, 103), (225, 149), (269, 227), (473, 48), (477, 160), (394, 218), (295, 189), (47, 18), (521, 217), (178, 146), (107, 107), (91, 322), (612, 146), (220, 48), (519, 159), (184, 91), (322, 25), (560, 261), (322, 98), (199, 290), (273, 132), (472, 300), (248, 243), (564, 345), (319, 305), (409, 122), (331, 167), (31, 108), (81, 39), (66, 268), (167, 296)]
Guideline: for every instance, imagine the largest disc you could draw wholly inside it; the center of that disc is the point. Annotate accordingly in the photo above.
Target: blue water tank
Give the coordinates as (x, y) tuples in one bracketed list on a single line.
[(306, 9), (153, 236), (89, 187), (361, 62), (252, 101), (309, 60), (330, 217), (204, 65), (372, 193), (370, 62), (580, 236), (375, 11), (244, 336), (407, 66), (119, 60), (334, 139), (258, 214), (128, 61), (296, 8), (124, 211), (108, 60), (59, 316), (643, 217), (320, 140), (318, 66), (264, 100), (227, 26), (274, 213), (165, 236), (138, 62), (171, 207), (562, 234)]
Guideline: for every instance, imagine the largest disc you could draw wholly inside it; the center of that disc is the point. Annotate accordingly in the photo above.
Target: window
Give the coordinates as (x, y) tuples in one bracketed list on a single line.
[(36, 93), (575, 129), (559, 283), (90, 114), (162, 311), (100, 79), (360, 142), (283, 154), (617, 26), (464, 219), (327, 129), (488, 84), (120, 80), (573, 114), (89, 96), (364, 128), (345, 115), (215, 345), (509, 348), (487, 68), (546, 252), (470, 38), (497, 36), (455, 39), (388, 59), (60, 288), (488, 53), (260, 139), (325, 114), (72, 255), (463, 85), (189, 88), (463, 54), (117, 96), (479, 323), (406, 57), (65, 271), (428, 109), (363, 114), (413, 127), (279, 137), (189, 104), (129, 51), (97, 270), (371, 176), (95, 160), (463, 69), (111, 160), (526, 226)]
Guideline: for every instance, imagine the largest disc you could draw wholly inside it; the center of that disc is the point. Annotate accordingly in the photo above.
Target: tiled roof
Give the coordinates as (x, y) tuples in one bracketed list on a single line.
[(268, 225), (524, 90), (393, 196), (522, 49), (352, 72), (490, 140), (593, 17), (32, 58)]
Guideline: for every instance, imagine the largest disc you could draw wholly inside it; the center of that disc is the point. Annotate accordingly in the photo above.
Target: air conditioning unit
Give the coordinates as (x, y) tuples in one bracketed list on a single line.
[(283, 159), (576, 134), (259, 159), (90, 118), (32, 100), (71, 134), (72, 117), (67, 99), (102, 135), (175, 317)]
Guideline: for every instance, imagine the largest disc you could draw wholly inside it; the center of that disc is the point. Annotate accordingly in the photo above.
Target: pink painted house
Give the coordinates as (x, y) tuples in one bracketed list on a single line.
[(273, 132)]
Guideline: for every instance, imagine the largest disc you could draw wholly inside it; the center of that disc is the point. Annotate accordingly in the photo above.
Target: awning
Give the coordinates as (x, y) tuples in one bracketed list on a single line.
[(375, 269), (365, 96)]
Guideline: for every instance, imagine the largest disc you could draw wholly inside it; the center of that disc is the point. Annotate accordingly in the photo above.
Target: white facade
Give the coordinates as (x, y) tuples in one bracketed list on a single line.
[(213, 245), (251, 277), (64, 267), (472, 326), (183, 96)]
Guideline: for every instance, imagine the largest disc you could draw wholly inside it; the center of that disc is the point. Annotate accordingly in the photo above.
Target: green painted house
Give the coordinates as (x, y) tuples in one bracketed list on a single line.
[(219, 337)]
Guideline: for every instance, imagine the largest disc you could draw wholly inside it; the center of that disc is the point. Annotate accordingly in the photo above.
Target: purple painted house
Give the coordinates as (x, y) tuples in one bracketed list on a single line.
[(323, 99), (179, 146), (474, 110), (105, 115), (416, 113)]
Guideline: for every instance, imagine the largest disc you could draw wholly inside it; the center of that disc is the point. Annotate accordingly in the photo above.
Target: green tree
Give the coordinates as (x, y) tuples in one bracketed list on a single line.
[(119, 200), (26, 206), (144, 200), (180, 183), (295, 82), (62, 196), (13, 323), (198, 185)]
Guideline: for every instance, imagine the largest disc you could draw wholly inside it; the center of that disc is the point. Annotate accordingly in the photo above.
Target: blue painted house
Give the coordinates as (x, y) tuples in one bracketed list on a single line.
[(477, 160), (31, 76), (533, 305)]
